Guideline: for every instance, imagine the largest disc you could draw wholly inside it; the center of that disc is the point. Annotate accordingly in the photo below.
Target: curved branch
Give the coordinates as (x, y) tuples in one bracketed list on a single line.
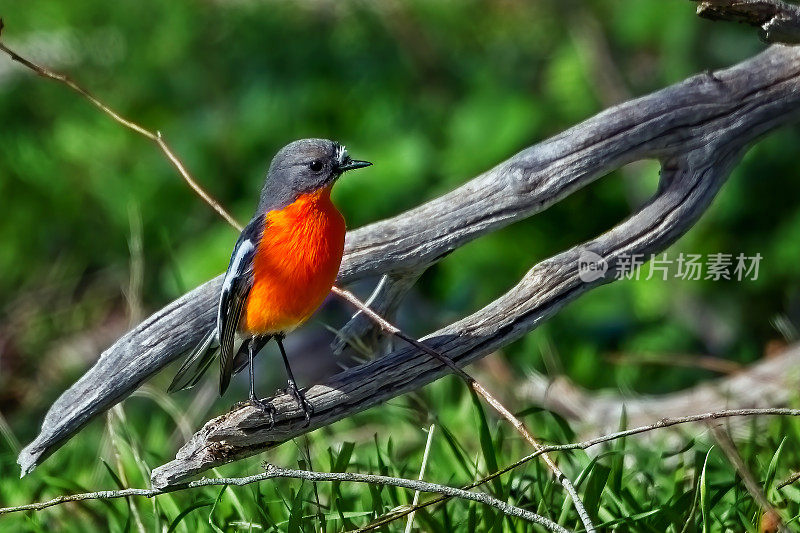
[(698, 127)]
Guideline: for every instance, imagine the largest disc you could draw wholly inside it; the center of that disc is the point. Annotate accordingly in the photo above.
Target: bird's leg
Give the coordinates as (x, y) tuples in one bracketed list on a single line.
[(253, 347), (308, 410)]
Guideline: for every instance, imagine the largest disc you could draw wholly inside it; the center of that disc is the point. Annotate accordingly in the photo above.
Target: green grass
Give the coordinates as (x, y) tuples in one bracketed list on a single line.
[(677, 482)]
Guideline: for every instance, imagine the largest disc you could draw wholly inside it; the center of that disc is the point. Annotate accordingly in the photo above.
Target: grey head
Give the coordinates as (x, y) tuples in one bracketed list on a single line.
[(303, 167)]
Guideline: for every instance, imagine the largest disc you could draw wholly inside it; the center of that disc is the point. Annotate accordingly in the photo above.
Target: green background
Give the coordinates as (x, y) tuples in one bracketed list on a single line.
[(97, 229)]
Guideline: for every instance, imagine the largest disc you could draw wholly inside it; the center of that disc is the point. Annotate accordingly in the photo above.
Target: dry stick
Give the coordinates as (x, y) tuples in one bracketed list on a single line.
[(193, 184), (273, 472), (155, 137), (663, 423), (347, 295), (422, 486), (485, 394), (791, 479), (728, 447), (705, 362)]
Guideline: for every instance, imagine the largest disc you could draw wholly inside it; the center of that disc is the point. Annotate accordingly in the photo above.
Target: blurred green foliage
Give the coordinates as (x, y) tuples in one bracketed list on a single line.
[(433, 93)]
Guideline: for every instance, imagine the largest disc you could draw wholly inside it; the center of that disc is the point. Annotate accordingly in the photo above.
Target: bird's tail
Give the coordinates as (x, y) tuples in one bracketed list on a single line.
[(196, 363)]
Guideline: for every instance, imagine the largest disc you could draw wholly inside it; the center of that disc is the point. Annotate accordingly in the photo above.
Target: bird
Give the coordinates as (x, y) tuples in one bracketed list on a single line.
[(282, 267)]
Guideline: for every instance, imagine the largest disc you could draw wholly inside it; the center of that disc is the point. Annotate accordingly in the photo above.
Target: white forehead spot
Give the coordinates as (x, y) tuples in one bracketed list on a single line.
[(341, 154)]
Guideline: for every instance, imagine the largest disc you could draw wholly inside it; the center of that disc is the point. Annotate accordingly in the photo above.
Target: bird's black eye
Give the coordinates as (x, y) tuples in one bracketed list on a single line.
[(316, 165)]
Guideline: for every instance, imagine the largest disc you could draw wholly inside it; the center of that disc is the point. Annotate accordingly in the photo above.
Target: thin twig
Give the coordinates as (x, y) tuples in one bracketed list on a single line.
[(705, 362), (663, 423), (788, 481), (273, 472), (728, 447), (422, 486), (345, 294), (483, 392), (207, 198), (153, 136)]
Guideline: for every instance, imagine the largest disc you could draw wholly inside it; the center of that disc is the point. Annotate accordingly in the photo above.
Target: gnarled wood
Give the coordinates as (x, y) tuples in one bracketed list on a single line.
[(698, 129)]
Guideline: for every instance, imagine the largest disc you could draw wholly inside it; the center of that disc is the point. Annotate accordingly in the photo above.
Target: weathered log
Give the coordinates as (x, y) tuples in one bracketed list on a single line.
[(698, 129)]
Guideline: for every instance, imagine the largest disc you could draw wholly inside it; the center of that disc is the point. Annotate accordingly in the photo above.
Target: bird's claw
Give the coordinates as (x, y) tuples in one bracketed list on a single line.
[(307, 408), (264, 407)]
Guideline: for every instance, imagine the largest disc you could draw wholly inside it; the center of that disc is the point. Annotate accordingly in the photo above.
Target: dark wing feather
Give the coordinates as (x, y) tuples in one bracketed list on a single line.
[(195, 364), (235, 290)]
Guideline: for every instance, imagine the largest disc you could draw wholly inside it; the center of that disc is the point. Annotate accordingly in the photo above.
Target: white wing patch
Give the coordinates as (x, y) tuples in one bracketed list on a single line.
[(235, 270)]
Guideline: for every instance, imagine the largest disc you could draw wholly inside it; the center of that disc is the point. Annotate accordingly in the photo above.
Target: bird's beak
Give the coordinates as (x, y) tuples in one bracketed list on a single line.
[(352, 164)]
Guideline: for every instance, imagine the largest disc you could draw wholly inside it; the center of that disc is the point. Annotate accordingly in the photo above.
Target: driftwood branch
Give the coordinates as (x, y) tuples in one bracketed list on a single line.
[(770, 382), (390, 289), (698, 129), (778, 21)]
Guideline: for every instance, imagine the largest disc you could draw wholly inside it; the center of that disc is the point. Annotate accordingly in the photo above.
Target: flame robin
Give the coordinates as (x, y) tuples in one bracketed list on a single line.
[(282, 267)]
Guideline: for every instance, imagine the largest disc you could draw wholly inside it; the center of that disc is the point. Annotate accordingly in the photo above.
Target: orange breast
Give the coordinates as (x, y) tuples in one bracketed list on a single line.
[(296, 264)]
